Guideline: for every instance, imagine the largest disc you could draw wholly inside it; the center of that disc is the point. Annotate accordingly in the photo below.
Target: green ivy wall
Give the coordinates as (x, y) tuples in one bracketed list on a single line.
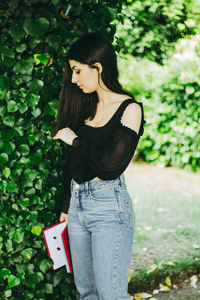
[(35, 36)]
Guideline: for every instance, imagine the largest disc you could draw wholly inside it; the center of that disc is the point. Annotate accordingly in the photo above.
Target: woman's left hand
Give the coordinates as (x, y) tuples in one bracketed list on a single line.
[(66, 135)]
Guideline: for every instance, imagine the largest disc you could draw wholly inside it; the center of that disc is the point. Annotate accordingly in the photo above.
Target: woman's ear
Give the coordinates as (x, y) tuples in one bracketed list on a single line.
[(99, 67)]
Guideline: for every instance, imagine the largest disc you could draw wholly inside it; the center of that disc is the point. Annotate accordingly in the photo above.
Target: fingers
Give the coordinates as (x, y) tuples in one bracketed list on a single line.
[(64, 217), (61, 218)]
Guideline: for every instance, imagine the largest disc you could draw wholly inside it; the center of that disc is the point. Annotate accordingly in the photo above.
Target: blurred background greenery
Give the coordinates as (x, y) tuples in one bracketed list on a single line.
[(159, 63)]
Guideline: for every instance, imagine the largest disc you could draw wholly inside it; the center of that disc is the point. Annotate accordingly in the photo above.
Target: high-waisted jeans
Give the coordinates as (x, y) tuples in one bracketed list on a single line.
[(101, 222)]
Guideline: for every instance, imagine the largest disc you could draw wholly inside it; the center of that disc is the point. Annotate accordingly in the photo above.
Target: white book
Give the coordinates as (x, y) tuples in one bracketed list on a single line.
[(57, 243)]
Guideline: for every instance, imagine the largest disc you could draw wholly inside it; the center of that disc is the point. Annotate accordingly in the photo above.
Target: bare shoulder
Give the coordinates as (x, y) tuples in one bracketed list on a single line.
[(133, 109), (132, 116)]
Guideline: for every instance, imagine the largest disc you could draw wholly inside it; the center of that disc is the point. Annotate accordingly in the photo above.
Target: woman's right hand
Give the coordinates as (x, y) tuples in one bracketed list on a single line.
[(64, 217)]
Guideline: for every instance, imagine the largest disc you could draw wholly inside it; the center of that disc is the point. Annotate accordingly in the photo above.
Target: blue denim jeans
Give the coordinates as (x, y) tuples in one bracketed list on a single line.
[(101, 222)]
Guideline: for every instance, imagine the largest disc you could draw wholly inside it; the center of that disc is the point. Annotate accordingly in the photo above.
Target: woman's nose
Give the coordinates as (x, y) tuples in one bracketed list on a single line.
[(74, 78)]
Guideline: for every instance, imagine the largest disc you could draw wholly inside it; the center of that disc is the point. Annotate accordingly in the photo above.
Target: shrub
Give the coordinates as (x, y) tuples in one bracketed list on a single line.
[(170, 96), (35, 36)]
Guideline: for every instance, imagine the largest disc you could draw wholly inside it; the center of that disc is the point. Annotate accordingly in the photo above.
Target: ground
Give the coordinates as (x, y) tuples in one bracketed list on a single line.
[(171, 180), (168, 179)]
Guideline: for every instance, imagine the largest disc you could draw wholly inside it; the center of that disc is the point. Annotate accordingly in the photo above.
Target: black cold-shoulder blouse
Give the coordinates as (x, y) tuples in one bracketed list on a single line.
[(103, 152)]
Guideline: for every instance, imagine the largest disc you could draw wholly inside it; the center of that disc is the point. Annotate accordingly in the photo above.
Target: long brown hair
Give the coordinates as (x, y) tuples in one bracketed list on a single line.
[(74, 105)]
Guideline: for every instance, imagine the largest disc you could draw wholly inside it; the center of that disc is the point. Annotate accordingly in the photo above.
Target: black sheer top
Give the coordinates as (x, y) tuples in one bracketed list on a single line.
[(103, 152)]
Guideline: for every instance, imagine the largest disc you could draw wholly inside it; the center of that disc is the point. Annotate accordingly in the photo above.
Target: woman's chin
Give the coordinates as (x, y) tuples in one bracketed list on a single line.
[(86, 91)]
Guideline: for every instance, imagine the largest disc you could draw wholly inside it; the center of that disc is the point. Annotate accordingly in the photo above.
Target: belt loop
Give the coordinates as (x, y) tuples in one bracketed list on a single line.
[(89, 186), (122, 180), (86, 186)]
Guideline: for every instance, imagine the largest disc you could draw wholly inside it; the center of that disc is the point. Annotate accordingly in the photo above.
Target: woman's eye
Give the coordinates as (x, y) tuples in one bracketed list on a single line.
[(77, 72)]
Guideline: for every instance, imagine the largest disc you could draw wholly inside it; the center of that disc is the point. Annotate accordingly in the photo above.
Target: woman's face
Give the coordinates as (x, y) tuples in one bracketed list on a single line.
[(85, 77)]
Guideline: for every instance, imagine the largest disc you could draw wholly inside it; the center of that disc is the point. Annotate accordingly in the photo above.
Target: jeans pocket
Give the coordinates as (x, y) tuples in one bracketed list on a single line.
[(104, 194), (130, 212), (127, 214)]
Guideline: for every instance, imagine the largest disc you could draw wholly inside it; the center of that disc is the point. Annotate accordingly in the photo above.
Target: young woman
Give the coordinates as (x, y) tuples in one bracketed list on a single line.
[(102, 123)]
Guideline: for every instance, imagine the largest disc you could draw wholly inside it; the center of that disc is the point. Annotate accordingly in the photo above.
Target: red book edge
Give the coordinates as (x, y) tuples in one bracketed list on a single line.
[(67, 252), (65, 238)]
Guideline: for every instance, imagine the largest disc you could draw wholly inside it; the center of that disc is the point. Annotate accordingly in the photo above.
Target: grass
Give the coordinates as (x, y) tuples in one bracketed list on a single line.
[(167, 236)]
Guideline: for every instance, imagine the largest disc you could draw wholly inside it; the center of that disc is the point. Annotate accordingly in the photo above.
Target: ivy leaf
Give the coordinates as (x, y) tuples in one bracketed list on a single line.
[(36, 230), (11, 187), (28, 253), (36, 112), (8, 134), (3, 159), (22, 107), (35, 85), (21, 48), (45, 265), (31, 174), (7, 147), (26, 202), (42, 58), (54, 40), (32, 99), (9, 245), (18, 235), (36, 28), (24, 149), (12, 106), (13, 281), (9, 121), (17, 32), (4, 85), (24, 66), (5, 273), (7, 293), (6, 172), (51, 108), (48, 288)]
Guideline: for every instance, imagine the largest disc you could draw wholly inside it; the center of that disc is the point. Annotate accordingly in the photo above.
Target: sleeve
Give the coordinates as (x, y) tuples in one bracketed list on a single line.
[(65, 198), (66, 195), (111, 159)]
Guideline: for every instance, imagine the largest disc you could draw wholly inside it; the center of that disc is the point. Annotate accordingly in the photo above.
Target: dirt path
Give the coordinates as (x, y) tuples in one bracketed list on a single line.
[(164, 179), (183, 292), (172, 180)]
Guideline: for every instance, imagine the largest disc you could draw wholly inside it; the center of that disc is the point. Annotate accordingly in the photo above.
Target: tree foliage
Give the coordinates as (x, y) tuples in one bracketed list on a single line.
[(151, 28), (170, 95)]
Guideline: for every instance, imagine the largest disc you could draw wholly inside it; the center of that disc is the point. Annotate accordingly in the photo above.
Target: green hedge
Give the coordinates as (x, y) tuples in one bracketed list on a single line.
[(35, 35)]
